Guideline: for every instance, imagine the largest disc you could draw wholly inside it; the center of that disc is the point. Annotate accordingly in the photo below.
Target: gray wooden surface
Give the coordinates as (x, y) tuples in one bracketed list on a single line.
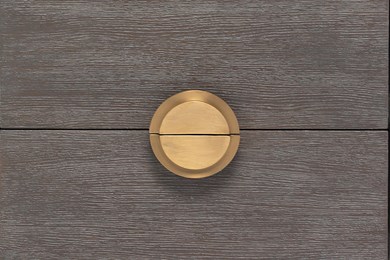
[(108, 64), (103, 195), (285, 64)]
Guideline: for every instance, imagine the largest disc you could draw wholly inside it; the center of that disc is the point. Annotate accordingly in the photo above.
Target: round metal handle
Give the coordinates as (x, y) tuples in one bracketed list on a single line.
[(194, 134)]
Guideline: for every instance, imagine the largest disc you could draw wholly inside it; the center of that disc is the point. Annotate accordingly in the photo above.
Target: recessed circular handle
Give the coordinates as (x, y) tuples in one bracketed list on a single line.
[(194, 134)]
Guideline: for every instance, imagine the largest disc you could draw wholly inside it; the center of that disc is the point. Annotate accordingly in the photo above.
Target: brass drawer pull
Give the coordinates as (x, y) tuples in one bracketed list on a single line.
[(194, 134)]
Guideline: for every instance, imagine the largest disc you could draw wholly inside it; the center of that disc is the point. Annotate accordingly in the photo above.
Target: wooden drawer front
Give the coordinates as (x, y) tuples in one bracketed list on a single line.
[(80, 81), (279, 64), (102, 194)]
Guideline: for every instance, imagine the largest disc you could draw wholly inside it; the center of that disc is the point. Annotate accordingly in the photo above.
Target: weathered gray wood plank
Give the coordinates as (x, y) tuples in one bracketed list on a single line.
[(108, 64), (102, 195)]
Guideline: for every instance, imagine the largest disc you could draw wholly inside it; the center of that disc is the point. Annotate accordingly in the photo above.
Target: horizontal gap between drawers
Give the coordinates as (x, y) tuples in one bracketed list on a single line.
[(145, 129)]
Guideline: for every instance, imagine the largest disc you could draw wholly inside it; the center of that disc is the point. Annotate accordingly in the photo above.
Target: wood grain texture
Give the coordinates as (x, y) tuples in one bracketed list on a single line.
[(109, 64), (103, 195)]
